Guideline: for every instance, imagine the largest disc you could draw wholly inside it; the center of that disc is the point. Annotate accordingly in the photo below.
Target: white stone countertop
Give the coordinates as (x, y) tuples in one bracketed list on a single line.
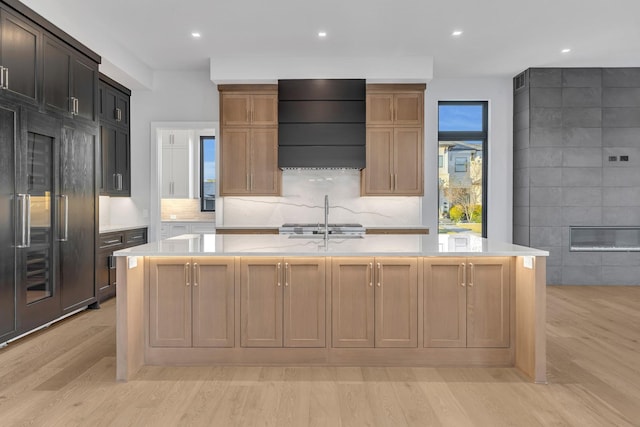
[(120, 227), (369, 245)]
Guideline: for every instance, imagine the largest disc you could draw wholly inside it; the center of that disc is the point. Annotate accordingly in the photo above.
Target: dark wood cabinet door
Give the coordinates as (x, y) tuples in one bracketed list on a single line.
[(85, 79), (122, 111), (108, 154), (77, 236), (103, 282), (56, 82), (19, 57), (122, 163)]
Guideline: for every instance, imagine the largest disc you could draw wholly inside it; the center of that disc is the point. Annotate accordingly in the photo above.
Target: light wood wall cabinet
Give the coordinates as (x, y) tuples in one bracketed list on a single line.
[(249, 142), (374, 302), (467, 302), (395, 140), (282, 302), (191, 302)]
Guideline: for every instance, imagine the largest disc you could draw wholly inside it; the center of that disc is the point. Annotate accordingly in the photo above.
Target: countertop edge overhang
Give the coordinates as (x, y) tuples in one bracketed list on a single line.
[(189, 245)]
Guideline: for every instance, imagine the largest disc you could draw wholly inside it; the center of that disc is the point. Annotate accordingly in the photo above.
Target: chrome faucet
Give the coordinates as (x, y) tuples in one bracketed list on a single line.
[(326, 216)]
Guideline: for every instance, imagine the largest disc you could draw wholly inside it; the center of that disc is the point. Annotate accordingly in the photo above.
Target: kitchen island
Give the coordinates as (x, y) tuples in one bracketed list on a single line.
[(373, 300)]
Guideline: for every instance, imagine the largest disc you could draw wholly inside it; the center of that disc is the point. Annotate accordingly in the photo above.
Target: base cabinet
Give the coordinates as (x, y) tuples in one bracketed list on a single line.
[(105, 262), (467, 302), (374, 302), (282, 302), (191, 302)]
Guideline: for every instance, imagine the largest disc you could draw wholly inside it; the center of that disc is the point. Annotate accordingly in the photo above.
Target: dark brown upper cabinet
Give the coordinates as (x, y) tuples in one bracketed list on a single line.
[(20, 44), (70, 81)]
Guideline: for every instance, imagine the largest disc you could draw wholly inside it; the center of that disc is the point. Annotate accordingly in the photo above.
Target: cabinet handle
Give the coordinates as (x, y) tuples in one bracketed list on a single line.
[(186, 273), (370, 274), (279, 284), (5, 85), (472, 271), (1, 77), (464, 274), (118, 114), (286, 272), (111, 242), (23, 220), (73, 105), (65, 237), (379, 274), (196, 273), (120, 181), (77, 104)]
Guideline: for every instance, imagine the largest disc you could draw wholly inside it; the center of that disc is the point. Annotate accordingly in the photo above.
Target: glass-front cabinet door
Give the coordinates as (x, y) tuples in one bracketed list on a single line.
[(38, 216)]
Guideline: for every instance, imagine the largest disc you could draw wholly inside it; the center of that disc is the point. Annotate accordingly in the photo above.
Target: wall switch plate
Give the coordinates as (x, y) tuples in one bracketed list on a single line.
[(172, 217), (132, 262), (528, 262)]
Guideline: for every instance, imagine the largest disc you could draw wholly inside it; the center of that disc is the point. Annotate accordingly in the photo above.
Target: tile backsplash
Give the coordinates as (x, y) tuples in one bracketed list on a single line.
[(302, 201)]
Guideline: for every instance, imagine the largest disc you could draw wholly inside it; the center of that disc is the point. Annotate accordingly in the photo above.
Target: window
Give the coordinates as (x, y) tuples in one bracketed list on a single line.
[(207, 173), (461, 164), (462, 139)]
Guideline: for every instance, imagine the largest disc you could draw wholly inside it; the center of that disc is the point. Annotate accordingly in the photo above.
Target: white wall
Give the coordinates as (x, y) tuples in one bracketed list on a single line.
[(176, 97), (498, 91)]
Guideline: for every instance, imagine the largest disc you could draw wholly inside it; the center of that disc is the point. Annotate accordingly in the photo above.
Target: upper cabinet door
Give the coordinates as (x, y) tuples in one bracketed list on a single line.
[(19, 57), (408, 161), (264, 110), (380, 109), (236, 110), (57, 71), (85, 79), (378, 175), (264, 177), (408, 109)]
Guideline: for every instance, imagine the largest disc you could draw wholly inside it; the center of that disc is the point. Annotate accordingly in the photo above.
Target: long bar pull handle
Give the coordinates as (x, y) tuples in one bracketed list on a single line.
[(119, 182), (464, 274), (6, 78), (1, 77), (65, 237), (76, 103), (186, 274), (279, 283), (379, 274), (28, 203), (370, 274), (22, 200), (286, 273), (196, 274), (472, 274)]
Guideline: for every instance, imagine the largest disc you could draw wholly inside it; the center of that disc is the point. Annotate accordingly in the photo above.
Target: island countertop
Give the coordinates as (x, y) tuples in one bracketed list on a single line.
[(367, 245)]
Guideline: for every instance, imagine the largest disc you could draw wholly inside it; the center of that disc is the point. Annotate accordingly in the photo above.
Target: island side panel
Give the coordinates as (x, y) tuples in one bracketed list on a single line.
[(530, 351), (130, 317)]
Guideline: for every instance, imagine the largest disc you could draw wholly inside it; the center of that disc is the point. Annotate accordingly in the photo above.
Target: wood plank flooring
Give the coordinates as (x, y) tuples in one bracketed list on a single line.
[(64, 376)]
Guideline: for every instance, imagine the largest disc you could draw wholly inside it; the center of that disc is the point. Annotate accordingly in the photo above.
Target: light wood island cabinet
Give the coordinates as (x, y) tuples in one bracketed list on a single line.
[(191, 302), (467, 302), (249, 140), (375, 302), (394, 147), (282, 302)]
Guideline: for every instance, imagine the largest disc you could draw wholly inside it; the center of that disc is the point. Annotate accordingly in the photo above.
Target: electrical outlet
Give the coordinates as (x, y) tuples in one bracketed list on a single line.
[(613, 158), (624, 158), (528, 262)]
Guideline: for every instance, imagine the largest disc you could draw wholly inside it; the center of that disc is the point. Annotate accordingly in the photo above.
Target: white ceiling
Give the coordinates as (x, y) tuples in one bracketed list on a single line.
[(501, 37)]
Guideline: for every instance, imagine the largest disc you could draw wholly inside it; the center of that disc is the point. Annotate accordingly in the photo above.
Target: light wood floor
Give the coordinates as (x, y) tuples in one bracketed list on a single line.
[(65, 376)]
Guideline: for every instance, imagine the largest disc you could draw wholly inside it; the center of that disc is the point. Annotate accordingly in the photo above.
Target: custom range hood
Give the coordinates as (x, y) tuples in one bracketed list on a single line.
[(321, 123)]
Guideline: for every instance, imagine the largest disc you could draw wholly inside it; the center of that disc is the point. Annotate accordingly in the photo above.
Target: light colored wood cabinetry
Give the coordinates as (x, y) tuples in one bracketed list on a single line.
[(249, 140), (467, 302), (374, 302), (191, 302), (282, 302), (250, 162), (395, 126), (387, 107)]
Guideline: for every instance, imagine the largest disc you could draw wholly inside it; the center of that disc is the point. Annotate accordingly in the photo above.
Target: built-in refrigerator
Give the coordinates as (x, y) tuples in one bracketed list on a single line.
[(48, 218)]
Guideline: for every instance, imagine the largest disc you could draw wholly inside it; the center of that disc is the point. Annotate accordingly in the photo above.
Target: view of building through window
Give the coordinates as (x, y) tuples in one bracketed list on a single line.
[(462, 135), (208, 173)]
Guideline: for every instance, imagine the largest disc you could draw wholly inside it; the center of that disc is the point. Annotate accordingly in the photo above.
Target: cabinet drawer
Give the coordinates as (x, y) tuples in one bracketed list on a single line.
[(111, 240), (135, 237)]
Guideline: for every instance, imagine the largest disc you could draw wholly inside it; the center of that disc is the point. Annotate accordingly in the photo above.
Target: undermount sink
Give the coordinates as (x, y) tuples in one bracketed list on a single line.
[(343, 231), (330, 236)]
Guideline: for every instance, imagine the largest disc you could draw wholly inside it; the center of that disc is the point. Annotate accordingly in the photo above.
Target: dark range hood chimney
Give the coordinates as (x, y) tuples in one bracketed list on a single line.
[(321, 123)]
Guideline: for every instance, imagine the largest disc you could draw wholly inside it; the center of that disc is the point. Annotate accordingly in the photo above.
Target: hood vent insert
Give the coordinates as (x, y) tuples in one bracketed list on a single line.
[(321, 123)]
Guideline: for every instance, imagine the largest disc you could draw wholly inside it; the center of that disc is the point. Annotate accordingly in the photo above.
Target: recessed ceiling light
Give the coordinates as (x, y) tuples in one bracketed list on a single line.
[(195, 35), (456, 33), (322, 34), (567, 50)]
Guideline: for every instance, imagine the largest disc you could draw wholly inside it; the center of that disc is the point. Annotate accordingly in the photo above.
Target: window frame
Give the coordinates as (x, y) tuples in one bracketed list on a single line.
[(483, 136), (202, 140)]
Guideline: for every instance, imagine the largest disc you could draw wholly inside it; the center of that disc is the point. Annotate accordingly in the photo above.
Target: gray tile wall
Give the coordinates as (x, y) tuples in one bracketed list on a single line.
[(568, 123)]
